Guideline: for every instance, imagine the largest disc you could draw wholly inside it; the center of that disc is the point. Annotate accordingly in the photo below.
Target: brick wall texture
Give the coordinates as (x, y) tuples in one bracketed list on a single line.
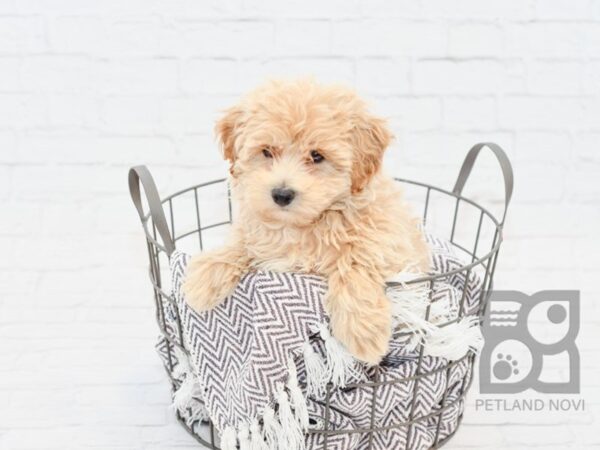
[(90, 88)]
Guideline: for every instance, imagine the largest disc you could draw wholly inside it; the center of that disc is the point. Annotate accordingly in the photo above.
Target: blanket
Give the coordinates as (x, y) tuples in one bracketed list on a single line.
[(258, 366)]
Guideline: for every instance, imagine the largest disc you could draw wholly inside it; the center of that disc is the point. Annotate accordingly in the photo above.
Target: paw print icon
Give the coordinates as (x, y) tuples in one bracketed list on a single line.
[(528, 339), (505, 367)]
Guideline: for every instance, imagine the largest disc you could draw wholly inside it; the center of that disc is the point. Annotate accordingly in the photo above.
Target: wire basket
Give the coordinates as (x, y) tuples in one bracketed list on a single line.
[(188, 218)]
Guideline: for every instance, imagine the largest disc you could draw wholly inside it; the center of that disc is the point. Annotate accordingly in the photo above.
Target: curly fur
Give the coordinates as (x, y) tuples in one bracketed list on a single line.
[(348, 221)]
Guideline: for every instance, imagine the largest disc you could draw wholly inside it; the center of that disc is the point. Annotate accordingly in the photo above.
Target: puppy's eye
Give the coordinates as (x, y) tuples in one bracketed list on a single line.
[(316, 156), (267, 153)]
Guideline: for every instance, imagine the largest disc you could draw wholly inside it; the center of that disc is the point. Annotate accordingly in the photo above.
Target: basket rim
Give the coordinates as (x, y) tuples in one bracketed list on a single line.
[(430, 277), (140, 176)]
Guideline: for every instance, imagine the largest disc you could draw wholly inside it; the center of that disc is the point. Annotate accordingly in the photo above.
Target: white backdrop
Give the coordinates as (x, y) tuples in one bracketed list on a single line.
[(89, 88)]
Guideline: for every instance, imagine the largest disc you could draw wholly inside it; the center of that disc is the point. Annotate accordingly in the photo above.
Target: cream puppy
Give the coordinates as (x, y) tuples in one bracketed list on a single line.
[(305, 174)]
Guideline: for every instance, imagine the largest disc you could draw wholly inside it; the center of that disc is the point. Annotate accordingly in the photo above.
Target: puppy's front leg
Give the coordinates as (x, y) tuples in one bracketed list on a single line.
[(360, 313), (212, 276)]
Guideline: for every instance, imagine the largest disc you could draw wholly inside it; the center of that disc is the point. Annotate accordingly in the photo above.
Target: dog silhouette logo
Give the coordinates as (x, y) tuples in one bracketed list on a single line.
[(530, 343)]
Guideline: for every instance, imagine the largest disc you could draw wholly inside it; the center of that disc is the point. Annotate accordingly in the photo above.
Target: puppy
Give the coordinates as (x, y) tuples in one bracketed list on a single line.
[(305, 175)]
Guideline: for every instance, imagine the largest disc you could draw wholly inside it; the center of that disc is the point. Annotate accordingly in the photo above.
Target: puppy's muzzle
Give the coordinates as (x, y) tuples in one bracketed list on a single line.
[(283, 196)]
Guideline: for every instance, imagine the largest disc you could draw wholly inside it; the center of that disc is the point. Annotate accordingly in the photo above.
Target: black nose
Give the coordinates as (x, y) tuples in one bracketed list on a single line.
[(283, 196)]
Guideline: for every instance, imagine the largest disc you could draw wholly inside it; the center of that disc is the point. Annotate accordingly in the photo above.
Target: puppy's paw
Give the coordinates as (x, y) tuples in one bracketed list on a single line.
[(365, 333), (209, 281)]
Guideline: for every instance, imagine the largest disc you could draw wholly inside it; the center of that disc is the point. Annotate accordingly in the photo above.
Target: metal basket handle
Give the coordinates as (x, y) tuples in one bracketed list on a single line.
[(141, 174), (505, 166)]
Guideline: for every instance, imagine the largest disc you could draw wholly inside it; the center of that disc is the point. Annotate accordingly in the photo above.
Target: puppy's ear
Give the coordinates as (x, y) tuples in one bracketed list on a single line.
[(226, 133), (371, 137)]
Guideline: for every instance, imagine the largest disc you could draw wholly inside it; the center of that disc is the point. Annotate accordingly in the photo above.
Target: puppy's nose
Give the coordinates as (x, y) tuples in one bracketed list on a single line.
[(283, 196)]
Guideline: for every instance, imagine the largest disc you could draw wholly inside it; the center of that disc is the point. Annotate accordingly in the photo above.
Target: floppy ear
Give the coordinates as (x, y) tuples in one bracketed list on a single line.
[(370, 138), (226, 134)]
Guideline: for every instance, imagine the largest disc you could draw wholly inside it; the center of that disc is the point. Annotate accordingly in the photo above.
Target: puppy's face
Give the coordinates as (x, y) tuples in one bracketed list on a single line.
[(297, 149)]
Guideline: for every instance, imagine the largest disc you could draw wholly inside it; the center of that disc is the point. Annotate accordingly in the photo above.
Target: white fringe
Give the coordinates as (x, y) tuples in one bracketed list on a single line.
[(257, 440), (244, 437), (340, 363), (183, 397), (409, 306), (296, 396), (286, 431), (316, 372), (455, 340), (229, 439), (291, 436), (271, 428)]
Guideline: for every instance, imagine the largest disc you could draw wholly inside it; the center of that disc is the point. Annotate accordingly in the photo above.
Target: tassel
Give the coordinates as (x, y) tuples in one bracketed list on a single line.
[(257, 441), (291, 437), (244, 437), (189, 391), (296, 396), (340, 363), (409, 304), (271, 428), (182, 397), (229, 439), (186, 399), (455, 340), (183, 372), (197, 411), (316, 372)]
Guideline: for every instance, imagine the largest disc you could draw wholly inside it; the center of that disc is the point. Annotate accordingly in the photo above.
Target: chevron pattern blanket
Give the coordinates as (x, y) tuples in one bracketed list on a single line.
[(259, 364)]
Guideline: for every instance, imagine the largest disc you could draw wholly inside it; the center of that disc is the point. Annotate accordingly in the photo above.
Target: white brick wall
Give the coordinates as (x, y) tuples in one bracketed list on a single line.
[(89, 88)]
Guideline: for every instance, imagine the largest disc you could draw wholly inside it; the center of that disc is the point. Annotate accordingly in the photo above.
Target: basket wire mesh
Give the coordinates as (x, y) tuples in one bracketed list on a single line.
[(159, 220)]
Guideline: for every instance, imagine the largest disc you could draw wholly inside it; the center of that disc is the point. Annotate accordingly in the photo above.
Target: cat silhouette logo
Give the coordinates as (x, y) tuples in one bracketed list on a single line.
[(530, 343)]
